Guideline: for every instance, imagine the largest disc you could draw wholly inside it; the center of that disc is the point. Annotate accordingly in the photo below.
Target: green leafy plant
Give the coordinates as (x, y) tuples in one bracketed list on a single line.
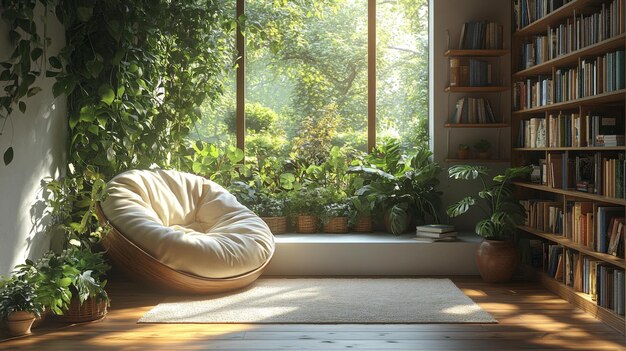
[(482, 145), (502, 210), (360, 206), (411, 191), (19, 295), (464, 147), (57, 278), (333, 210)]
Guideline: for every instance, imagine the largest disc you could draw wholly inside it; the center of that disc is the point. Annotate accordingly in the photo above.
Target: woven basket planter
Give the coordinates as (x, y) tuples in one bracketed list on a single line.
[(363, 225), (278, 225), (90, 310), (306, 224), (336, 225)]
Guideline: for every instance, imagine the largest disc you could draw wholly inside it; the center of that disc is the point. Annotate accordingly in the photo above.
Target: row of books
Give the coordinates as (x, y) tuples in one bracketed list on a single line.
[(532, 133), (533, 92), (481, 35), (599, 228), (473, 110), (602, 74), (576, 33), (589, 172), (603, 282), (528, 11)]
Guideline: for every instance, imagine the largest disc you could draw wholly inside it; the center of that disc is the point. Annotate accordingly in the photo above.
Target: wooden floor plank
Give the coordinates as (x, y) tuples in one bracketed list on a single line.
[(529, 318)]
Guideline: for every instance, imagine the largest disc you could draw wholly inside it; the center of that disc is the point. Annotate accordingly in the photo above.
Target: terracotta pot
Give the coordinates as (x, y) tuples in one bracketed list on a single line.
[(20, 322), (497, 260), (462, 153)]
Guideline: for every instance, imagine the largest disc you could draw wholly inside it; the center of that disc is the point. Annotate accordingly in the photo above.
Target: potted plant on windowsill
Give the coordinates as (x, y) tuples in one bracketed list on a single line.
[(482, 149), (334, 217), (19, 306), (463, 151), (361, 211), (303, 206), (272, 212), (497, 256)]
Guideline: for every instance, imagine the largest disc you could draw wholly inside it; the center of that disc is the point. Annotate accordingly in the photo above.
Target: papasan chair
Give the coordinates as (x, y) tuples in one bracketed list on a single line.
[(182, 232)]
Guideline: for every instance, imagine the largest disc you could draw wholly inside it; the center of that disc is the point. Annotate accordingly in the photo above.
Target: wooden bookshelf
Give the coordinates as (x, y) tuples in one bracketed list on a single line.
[(572, 58), (556, 17), (573, 193), (610, 104), (604, 98), (490, 89), (476, 53)]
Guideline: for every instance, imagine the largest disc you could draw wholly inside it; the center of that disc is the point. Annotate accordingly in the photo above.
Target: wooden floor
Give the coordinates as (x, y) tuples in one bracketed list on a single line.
[(529, 318)]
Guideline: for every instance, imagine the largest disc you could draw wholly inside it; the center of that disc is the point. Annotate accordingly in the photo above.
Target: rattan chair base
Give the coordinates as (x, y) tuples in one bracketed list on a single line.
[(138, 264)]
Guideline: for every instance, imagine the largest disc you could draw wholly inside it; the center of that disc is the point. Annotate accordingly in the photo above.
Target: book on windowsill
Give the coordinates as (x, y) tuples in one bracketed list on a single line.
[(432, 235), (435, 228), (432, 240)]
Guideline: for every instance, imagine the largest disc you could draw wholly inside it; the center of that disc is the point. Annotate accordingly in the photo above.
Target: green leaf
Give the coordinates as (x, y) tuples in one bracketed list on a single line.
[(33, 91), (58, 88), (64, 282), (22, 106), (84, 13), (8, 156), (461, 207), (398, 218), (54, 62), (106, 94), (36, 53), (94, 67)]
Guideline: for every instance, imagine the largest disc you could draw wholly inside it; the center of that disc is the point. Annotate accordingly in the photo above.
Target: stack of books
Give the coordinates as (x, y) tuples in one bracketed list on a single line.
[(435, 232)]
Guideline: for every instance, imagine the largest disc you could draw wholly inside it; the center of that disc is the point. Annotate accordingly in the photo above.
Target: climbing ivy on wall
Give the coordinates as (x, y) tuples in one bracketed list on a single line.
[(133, 73)]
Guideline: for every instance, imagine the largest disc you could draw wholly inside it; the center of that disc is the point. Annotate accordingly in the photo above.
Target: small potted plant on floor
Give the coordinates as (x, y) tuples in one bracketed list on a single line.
[(19, 305), (497, 256), (463, 151), (482, 149)]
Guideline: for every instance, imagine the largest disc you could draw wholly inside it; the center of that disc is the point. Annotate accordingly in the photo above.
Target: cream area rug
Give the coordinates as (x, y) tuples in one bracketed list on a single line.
[(327, 300)]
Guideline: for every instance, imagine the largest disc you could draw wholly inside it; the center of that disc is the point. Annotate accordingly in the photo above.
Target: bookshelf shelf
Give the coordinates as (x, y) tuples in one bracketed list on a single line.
[(572, 58), (619, 262), (573, 193), (491, 89), (582, 300), (555, 17), (610, 97), (476, 125), (476, 53), (586, 148), (595, 67)]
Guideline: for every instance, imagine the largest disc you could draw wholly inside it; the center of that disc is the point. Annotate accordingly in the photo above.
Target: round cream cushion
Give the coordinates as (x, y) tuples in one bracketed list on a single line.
[(187, 222)]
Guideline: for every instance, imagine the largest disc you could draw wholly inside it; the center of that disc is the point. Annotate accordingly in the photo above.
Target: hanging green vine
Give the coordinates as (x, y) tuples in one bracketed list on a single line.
[(25, 64), (133, 73)]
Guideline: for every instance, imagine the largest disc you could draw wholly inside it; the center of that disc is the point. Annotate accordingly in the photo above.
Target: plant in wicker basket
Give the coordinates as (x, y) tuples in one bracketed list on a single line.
[(304, 206), (362, 208), (70, 284), (334, 216), (272, 211)]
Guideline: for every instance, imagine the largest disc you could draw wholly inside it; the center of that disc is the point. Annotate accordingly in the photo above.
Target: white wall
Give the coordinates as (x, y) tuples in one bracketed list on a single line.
[(39, 138), (449, 15)]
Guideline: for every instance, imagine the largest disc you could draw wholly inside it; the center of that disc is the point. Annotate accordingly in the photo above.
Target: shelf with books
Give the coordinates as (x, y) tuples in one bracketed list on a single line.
[(572, 193), (583, 148), (553, 18), (572, 58), (559, 239), (476, 53), (609, 97), (581, 300), (487, 89)]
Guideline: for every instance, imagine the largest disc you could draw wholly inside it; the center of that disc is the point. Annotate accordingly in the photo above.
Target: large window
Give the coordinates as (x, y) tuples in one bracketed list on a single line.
[(309, 77)]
